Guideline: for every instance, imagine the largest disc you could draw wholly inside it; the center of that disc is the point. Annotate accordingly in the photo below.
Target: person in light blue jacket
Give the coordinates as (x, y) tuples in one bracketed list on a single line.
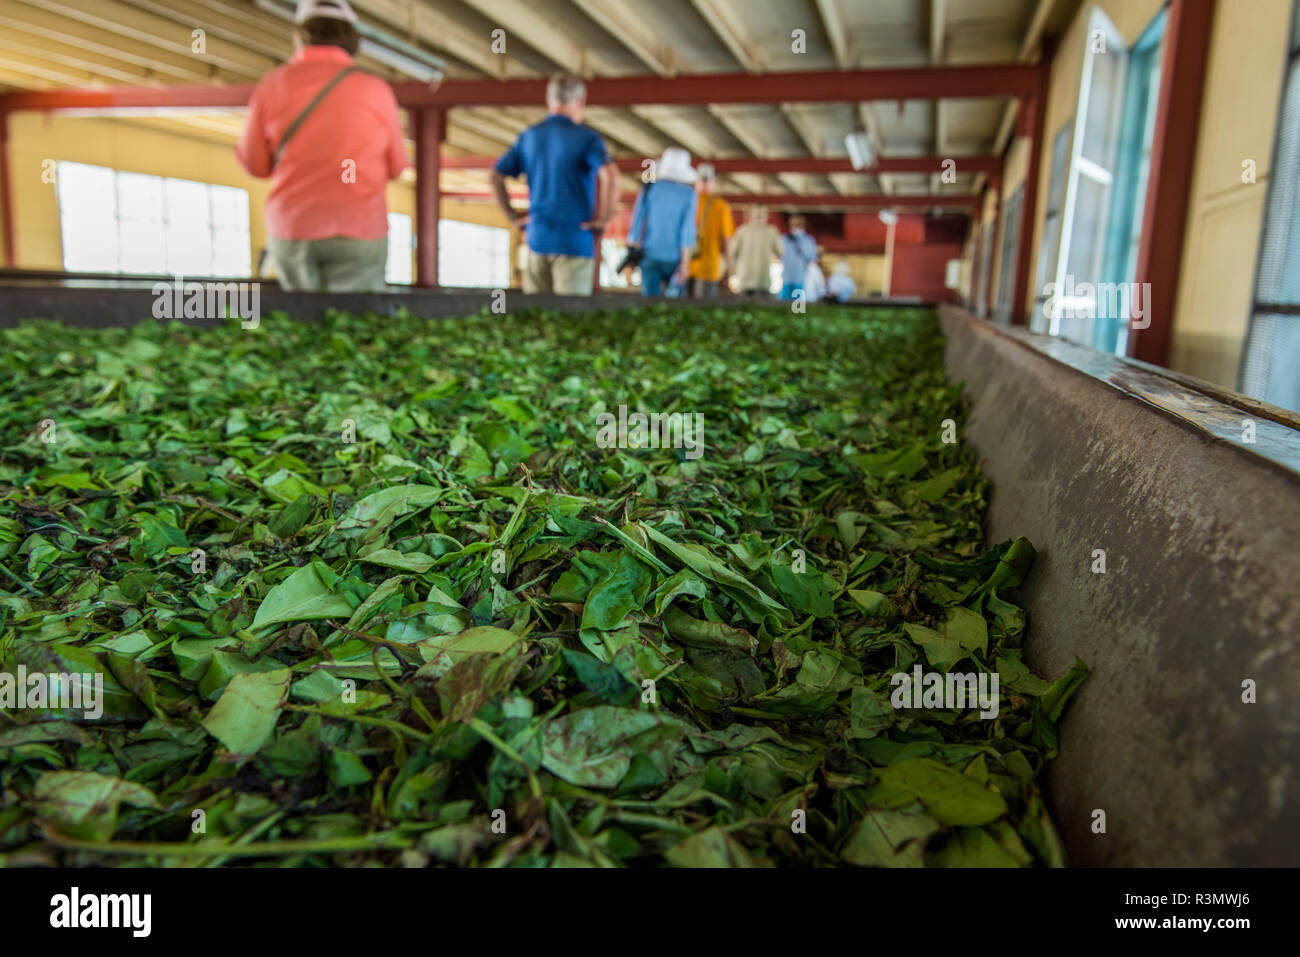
[(798, 249), (663, 224)]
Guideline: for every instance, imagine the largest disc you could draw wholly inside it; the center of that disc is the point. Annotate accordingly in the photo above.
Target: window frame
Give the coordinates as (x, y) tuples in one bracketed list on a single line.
[(1082, 166), (1007, 263), (1253, 352)]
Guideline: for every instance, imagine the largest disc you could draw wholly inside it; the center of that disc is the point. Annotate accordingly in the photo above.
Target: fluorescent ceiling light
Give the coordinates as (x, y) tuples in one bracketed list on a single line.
[(858, 145)]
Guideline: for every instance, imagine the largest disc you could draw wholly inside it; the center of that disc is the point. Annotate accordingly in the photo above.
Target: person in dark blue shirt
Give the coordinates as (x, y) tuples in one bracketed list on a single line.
[(572, 192), (663, 223)]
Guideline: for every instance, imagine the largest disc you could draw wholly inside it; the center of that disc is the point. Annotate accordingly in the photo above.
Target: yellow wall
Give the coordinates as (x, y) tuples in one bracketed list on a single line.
[(868, 272), (158, 148), (1243, 88)]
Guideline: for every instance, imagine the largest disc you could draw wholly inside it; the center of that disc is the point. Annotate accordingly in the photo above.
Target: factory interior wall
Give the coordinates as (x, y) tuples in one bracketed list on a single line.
[(157, 148), (1130, 17), (920, 269), (1225, 216)]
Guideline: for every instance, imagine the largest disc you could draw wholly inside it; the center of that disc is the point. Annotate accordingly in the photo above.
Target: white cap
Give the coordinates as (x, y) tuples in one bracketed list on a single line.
[(675, 165), (324, 9), (706, 171)]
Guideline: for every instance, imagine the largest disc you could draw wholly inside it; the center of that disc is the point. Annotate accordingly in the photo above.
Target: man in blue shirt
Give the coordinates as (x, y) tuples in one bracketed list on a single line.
[(798, 249), (572, 191)]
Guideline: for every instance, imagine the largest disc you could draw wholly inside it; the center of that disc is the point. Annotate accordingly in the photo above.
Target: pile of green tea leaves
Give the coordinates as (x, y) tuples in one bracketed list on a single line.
[(370, 591)]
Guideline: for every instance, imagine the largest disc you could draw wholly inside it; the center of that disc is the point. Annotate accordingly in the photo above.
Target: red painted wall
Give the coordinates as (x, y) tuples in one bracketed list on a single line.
[(919, 271)]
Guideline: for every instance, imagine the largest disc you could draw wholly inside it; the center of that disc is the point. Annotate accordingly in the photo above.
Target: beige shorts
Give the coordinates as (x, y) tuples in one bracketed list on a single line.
[(562, 275)]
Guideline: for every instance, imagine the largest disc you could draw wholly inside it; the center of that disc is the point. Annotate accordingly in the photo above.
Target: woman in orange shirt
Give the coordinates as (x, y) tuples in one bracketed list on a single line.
[(329, 138), (714, 228)]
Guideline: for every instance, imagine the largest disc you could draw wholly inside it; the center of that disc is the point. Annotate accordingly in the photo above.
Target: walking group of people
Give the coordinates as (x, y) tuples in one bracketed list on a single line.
[(327, 221)]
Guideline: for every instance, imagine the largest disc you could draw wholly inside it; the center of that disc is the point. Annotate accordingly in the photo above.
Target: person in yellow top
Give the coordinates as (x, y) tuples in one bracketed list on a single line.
[(714, 229)]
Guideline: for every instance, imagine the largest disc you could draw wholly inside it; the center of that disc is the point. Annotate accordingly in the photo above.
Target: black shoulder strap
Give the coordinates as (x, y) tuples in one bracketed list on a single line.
[(307, 111), (645, 210)]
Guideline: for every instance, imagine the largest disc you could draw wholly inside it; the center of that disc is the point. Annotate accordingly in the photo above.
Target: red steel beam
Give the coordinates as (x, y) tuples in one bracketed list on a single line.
[(428, 128), (1033, 117), (1173, 148), (132, 98), (775, 200), (869, 201), (794, 164), (820, 86)]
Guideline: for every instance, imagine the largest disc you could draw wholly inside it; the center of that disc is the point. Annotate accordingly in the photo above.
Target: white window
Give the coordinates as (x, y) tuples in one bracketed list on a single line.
[(1007, 262), (473, 255), (119, 222), (398, 268), (985, 272), (1091, 175)]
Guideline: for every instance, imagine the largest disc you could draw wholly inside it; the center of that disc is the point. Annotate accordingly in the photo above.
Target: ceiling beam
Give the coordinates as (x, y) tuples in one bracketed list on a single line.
[(833, 24), (615, 19), (791, 164), (1042, 15), (938, 33), (725, 27), (803, 200), (108, 18), (699, 89)]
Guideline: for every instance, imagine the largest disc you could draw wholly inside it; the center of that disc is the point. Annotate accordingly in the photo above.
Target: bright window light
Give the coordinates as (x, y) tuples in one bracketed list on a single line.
[(612, 252), (398, 269), (115, 221), (473, 255)]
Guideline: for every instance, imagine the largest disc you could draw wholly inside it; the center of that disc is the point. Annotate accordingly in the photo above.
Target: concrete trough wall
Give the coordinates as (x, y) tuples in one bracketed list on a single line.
[(103, 303), (1201, 591)]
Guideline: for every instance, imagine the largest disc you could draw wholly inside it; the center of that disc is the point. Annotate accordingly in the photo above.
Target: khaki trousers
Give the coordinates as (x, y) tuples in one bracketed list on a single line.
[(562, 275), (338, 264)]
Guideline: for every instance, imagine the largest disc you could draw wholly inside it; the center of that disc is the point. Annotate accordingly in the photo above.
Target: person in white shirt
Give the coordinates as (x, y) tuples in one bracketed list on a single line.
[(841, 287), (814, 282)]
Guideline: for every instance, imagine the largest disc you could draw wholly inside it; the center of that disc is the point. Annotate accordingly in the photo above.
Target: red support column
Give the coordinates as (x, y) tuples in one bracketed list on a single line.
[(1173, 152), (1032, 119), (6, 193), (428, 127)]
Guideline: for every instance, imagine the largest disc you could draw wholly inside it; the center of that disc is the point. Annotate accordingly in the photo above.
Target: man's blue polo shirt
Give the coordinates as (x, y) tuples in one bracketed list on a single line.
[(560, 159)]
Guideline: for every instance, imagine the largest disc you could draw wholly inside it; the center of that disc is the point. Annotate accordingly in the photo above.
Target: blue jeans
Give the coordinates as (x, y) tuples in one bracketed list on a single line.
[(655, 274), (789, 289)]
